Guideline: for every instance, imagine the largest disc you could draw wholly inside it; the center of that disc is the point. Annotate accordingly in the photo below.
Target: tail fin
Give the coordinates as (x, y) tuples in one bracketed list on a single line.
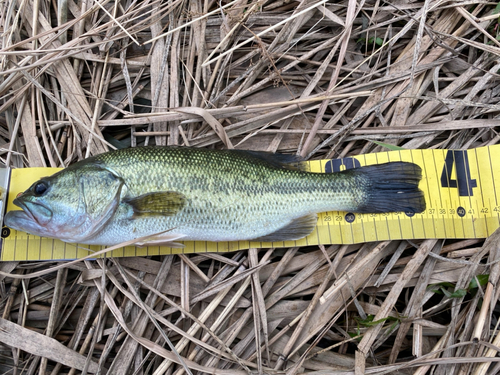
[(391, 187)]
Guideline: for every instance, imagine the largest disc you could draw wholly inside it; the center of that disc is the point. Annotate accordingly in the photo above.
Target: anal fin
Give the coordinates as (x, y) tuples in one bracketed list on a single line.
[(297, 229)]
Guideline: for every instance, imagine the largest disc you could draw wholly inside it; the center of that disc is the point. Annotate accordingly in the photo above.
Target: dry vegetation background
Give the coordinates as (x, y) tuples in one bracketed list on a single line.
[(322, 79)]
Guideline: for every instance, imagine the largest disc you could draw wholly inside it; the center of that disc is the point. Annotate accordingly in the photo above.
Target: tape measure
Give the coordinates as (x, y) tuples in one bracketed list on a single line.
[(460, 188)]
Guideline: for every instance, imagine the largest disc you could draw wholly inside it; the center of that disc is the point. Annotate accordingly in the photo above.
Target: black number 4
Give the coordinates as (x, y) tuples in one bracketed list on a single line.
[(464, 182)]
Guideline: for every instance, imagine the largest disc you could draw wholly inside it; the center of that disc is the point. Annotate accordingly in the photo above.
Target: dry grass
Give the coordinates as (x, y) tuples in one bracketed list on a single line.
[(316, 78)]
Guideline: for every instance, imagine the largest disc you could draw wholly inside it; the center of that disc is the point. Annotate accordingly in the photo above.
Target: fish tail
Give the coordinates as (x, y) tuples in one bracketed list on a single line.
[(391, 187)]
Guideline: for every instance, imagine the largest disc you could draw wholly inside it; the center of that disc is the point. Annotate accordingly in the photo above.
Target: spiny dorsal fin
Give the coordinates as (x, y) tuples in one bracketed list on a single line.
[(160, 203), (297, 229)]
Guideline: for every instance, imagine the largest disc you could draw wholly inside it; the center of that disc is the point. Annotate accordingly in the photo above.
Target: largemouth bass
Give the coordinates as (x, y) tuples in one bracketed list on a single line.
[(206, 195)]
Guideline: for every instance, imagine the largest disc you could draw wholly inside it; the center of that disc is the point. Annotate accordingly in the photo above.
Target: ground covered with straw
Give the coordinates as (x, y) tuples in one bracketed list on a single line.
[(321, 79)]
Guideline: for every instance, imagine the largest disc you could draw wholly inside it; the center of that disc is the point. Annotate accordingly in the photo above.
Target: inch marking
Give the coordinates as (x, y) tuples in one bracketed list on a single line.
[(458, 160)]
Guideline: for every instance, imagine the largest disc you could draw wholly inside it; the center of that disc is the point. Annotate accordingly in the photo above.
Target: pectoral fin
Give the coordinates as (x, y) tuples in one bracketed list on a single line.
[(160, 203), (297, 229)]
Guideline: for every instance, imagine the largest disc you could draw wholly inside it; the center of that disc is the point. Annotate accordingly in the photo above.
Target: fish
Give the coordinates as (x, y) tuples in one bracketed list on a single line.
[(164, 193)]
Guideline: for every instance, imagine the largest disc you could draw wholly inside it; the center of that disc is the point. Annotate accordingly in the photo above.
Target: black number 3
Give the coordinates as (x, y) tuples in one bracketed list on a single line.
[(464, 182)]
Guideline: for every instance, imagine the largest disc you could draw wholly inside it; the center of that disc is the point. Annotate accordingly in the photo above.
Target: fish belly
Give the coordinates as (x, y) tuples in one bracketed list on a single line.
[(244, 217)]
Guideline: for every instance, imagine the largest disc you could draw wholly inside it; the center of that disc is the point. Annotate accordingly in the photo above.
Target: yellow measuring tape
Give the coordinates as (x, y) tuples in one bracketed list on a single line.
[(460, 189)]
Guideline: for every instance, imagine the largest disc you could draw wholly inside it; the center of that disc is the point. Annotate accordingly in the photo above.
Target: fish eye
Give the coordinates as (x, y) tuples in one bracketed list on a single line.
[(40, 188)]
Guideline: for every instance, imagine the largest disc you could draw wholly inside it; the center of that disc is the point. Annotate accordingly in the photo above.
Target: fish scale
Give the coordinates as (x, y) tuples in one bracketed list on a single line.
[(212, 195)]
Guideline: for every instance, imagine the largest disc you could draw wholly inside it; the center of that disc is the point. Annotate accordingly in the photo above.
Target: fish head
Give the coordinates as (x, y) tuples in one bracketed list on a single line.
[(73, 205)]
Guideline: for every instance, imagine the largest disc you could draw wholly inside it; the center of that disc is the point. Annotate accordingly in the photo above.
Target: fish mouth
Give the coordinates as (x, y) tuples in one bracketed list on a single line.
[(31, 212), (19, 220)]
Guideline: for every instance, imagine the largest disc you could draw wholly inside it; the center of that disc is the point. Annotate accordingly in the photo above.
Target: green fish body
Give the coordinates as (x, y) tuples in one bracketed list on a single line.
[(206, 195)]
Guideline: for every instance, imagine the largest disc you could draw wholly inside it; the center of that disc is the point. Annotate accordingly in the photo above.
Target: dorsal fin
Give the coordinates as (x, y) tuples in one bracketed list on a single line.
[(286, 161)]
